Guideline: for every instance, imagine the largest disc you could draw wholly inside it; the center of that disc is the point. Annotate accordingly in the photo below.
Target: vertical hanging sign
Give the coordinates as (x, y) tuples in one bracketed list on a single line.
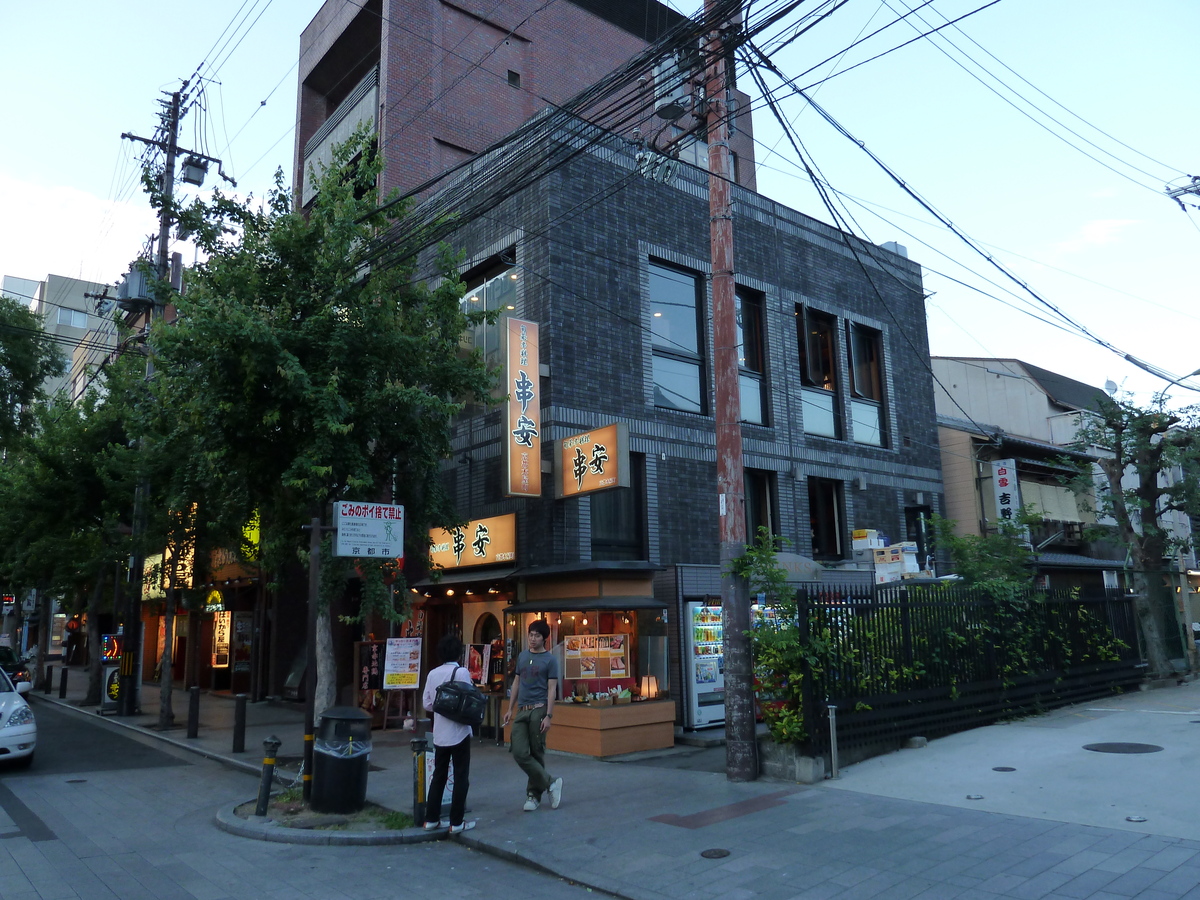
[(522, 438), (1004, 484)]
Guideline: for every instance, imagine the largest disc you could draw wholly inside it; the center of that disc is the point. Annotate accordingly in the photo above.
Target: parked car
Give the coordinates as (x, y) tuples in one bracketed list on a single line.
[(13, 666), (18, 729)]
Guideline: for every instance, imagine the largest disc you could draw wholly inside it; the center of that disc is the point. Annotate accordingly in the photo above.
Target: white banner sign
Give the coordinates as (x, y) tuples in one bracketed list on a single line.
[(1004, 484), (369, 529), (402, 664)]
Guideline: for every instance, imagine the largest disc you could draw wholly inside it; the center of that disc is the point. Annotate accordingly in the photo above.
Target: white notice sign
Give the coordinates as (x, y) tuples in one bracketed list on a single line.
[(369, 529), (402, 664)]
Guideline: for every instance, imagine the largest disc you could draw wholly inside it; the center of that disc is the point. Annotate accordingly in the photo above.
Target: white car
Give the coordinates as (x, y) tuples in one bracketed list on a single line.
[(18, 730)]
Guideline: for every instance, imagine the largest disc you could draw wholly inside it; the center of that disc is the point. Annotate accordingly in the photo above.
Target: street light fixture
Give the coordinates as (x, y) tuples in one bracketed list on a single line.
[(1179, 381)]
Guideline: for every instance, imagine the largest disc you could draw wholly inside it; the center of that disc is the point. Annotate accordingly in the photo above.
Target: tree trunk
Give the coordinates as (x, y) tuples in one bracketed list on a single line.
[(94, 650), (326, 693), (166, 715)]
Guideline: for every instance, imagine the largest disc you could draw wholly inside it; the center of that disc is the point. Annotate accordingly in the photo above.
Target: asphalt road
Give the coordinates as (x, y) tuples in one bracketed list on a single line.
[(105, 815)]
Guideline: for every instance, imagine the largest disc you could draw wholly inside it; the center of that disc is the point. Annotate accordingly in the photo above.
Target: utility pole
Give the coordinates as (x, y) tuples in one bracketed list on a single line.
[(741, 756)]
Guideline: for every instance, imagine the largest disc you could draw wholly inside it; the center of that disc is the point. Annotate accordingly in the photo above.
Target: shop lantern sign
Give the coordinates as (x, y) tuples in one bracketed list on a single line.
[(481, 542), (369, 530), (523, 415), (593, 461)]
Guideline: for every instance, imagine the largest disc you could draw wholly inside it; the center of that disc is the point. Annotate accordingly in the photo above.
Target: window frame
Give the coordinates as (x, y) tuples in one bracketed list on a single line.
[(636, 492), (865, 345), (752, 355), (823, 384), (673, 352), (761, 495), (818, 504)]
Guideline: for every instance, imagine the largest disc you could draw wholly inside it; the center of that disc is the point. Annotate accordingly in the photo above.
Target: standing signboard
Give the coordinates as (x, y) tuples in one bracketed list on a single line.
[(523, 415), (369, 530), (402, 664)]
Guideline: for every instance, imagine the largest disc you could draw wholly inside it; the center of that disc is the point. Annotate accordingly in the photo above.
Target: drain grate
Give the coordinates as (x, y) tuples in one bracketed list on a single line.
[(1123, 747), (715, 853)]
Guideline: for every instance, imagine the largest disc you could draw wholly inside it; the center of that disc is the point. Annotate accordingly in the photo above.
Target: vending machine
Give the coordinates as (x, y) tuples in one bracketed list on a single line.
[(704, 665)]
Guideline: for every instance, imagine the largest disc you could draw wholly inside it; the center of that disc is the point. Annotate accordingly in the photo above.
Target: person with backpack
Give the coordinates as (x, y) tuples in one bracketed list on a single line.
[(451, 743)]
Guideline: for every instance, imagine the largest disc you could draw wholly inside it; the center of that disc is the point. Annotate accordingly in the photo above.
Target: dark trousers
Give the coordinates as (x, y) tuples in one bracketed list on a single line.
[(460, 753)]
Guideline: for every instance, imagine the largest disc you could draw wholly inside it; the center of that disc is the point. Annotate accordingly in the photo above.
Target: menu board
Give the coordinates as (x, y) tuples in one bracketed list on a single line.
[(597, 656), (479, 658), (402, 664)]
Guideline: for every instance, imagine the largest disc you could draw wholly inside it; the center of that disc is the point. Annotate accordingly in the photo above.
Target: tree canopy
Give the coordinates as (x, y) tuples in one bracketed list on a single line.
[(27, 358)]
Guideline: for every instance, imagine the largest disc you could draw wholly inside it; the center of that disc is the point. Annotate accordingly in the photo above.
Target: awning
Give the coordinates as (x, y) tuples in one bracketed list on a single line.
[(466, 576), (584, 604)]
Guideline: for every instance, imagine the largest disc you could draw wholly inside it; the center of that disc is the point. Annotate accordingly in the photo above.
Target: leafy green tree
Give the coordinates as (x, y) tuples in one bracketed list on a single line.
[(1001, 560), (295, 377), (1150, 460), (27, 358)]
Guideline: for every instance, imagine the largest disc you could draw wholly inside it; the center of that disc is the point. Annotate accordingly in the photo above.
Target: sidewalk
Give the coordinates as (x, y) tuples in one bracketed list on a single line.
[(898, 826)]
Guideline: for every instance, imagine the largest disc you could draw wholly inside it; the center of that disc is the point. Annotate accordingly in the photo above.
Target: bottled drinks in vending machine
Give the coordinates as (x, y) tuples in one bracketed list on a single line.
[(705, 665)]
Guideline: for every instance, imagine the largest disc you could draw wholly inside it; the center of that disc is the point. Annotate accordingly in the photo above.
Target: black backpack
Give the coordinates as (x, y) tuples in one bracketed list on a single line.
[(460, 701)]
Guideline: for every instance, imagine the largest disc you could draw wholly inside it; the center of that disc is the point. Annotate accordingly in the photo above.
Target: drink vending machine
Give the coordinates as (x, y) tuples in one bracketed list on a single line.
[(704, 664)]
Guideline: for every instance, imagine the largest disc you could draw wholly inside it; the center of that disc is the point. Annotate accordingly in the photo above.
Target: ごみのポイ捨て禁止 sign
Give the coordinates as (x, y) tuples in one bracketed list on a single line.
[(369, 529)]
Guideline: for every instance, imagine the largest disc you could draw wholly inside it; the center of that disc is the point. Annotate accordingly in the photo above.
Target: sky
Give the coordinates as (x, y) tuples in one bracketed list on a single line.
[(1095, 238)]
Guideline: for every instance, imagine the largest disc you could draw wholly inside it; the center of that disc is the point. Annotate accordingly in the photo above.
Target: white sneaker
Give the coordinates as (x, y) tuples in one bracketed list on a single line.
[(555, 793), (465, 826), (531, 803), (434, 826)]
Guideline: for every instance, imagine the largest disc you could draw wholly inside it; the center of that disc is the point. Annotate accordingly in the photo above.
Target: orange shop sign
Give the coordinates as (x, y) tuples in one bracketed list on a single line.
[(594, 461), (523, 410), (480, 542)]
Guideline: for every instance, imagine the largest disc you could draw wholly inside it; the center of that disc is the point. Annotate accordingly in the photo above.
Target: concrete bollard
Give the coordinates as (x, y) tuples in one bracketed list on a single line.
[(62, 684), (270, 749), (239, 724), (49, 682), (193, 726)]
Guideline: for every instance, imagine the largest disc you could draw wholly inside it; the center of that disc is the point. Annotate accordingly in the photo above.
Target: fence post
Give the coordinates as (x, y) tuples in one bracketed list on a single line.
[(833, 750)]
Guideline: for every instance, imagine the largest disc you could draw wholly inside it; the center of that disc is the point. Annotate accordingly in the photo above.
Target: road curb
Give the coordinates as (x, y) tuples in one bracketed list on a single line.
[(270, 830)]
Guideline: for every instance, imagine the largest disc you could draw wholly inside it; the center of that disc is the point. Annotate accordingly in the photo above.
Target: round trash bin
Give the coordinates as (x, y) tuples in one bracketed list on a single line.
[(341, 759)]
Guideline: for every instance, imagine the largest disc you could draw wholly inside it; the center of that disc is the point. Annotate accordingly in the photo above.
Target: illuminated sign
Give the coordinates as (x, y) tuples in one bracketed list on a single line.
[(593, 461), (110, 648), (523, 410), (479, 543), (220, 645), (214, 602)]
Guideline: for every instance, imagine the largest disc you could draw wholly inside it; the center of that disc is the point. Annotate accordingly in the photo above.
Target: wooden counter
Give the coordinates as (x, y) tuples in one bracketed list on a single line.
[(611, 730)]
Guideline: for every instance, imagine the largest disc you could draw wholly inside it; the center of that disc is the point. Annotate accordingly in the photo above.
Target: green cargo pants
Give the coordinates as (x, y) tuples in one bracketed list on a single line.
[(529, 749)]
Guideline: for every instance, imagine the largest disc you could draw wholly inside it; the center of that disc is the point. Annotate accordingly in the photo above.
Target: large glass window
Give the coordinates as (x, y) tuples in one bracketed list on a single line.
[(492, 290), (676, 338), (619, 517), (866, 385), (816, 336), (825, 516), (751, 358)]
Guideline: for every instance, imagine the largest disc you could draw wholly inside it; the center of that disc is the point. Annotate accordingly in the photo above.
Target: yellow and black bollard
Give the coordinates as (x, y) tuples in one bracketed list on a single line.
[(270, 748), (419, 746)]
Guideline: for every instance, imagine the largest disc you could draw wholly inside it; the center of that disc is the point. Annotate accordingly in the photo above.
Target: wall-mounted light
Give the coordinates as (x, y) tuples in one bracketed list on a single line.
[(469, 592), (585, 620), (513, 276), (449, 592), (474, 298), (427, 594), (414, 590)]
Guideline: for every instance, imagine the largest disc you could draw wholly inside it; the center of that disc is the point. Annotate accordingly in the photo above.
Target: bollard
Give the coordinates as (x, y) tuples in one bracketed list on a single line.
[(193, 711), (419, 746), (270, 748), (833, 760), (239, 724), (49, 682), (62, 684)]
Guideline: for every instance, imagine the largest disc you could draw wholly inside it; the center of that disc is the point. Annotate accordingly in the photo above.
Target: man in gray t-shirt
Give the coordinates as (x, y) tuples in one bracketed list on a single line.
[(532, 699)]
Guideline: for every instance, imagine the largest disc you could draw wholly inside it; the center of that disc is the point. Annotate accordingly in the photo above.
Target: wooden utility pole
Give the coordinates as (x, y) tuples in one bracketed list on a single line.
[(741, 756)]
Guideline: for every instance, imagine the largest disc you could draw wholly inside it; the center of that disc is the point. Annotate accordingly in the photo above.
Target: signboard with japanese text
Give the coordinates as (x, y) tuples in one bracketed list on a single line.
[(370, 665), (593, 461), (481, 542), (1004, 486), (222, 623), (402, 664), (369, 530), (523, 416)]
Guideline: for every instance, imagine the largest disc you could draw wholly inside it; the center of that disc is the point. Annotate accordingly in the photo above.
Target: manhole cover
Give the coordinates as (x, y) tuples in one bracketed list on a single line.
[(715, 853), (1003, 769), (1123, 747), (1135, 818)]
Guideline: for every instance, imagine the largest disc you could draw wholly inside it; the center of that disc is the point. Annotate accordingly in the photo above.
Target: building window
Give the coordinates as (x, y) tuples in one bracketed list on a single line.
[(493, 289), (72, 317), (619, 517), (760, 503), (866, 385), (676, 338), (825, 514), (816, 337), (918, 528), (751, 358)]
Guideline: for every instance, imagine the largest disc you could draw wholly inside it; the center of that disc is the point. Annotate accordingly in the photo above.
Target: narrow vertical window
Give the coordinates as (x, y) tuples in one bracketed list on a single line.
[(816, 337), (619, 517), (760, 503), (825, 516), (866, 385), (677, 339), (751, 358)]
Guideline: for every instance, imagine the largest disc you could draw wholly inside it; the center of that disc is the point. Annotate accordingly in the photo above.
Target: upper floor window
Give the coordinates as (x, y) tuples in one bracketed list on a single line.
[(493, 290), (760, 503), (751, 358), (73, 317), (816, 336), (676, 339), (866, 385), (825, 517), (619, 516)]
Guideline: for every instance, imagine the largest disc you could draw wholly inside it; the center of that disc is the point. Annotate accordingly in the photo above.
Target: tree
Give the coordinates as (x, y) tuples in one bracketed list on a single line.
[(1150, 461), (296, 377), (1001, 560), (27, 358)]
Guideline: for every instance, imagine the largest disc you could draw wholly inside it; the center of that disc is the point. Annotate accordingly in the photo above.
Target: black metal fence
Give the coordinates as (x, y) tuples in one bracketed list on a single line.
[(899, 661)]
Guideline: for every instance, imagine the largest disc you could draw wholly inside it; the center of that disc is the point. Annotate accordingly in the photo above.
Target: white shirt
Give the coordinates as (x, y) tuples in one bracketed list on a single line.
[(445, 732)]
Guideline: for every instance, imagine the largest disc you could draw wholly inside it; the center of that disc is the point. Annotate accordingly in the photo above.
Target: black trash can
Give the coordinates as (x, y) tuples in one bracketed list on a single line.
[(341, 759)]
